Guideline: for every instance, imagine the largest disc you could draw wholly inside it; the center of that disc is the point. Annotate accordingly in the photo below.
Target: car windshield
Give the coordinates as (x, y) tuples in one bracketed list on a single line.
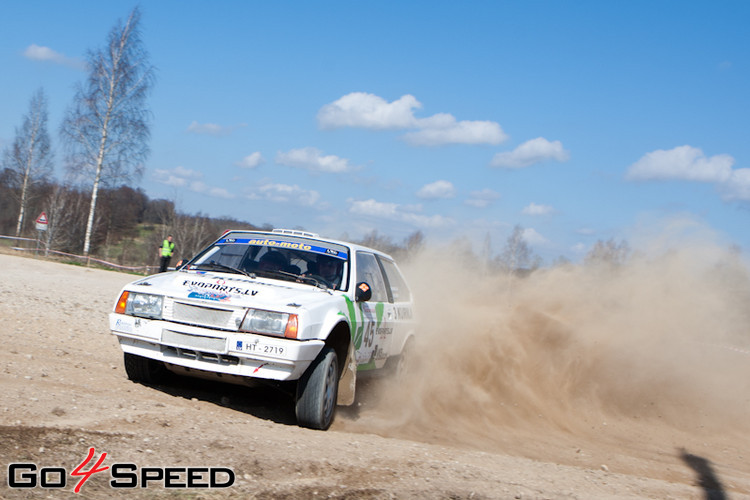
[(274, 256)]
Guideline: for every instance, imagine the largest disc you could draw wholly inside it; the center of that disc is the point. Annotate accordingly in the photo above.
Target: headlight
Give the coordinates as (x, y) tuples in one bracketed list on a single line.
[(143, 305), (270, 323)]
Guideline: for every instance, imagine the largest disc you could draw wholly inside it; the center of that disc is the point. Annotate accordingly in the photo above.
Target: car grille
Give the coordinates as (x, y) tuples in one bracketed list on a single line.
[(219, 359), (194, 342), (210, 317)]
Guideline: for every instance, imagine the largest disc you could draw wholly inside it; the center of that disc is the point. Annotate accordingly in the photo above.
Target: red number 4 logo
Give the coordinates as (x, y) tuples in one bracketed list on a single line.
[(86, 474)]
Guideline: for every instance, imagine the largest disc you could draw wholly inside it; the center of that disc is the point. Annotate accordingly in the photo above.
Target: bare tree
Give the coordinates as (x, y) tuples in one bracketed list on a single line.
[(106, 128), (413, 244), (29, 158), (608, 253), (517, 254), (485, 254), (67, 211), (192, 233)]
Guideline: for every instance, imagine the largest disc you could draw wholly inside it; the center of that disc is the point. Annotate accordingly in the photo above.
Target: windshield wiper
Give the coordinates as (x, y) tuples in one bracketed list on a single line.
[(216, 265)]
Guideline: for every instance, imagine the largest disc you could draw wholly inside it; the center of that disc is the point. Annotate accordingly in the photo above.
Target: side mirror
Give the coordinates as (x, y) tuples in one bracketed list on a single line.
[(363, 292)]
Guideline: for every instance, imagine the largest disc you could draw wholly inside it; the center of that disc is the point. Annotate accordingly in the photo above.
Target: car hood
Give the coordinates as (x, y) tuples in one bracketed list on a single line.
[(232, 289)]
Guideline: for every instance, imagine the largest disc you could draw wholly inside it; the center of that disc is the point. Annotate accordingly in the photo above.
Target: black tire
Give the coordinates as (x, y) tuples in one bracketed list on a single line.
[(317, 391), (401, 368), (144, 370)]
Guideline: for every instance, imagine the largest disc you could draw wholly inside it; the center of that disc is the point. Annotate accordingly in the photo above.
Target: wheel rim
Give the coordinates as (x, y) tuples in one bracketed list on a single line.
[(330, 393)]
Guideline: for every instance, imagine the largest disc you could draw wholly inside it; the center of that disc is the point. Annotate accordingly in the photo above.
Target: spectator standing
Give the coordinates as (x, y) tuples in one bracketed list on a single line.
[(165, 252)]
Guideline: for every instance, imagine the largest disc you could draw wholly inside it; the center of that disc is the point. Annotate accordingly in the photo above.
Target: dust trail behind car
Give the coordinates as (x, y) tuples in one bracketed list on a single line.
[(509, 362)]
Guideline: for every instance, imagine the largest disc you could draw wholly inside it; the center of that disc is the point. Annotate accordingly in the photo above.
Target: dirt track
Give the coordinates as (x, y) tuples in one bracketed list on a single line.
[(64, 391)]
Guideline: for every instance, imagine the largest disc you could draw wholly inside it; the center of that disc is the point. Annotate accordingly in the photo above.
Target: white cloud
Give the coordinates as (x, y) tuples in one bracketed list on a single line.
[(285, 193), (45, 54), (447, 130), (313, 159), (251, 161), (532, 237), (360, 109), (215, 192), (691, 164), (177, 177), (190, 179), (531, 152), (579, 248), (534, 209), (402, 213), (482, 198), (737, 187), (437, 190), (363, 110), (213, 128), (683, 163), (186, 172)]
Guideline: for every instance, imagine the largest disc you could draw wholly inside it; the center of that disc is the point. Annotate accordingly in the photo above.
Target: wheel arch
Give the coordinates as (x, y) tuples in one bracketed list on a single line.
[(340, 340)]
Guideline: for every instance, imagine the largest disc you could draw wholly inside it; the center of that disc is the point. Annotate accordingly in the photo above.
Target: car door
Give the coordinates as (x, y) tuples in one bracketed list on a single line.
[(373, 336), (398, 311)]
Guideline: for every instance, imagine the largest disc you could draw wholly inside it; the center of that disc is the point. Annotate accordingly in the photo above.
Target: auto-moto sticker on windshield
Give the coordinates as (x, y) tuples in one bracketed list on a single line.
[(218, 291), (286, 244)]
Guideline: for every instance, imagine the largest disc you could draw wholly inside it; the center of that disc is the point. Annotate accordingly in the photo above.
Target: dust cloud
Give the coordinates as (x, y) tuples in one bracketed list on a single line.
[(662, 339)]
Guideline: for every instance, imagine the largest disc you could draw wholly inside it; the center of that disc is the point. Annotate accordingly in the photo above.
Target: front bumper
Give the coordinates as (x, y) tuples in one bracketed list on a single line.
[(231, 353)]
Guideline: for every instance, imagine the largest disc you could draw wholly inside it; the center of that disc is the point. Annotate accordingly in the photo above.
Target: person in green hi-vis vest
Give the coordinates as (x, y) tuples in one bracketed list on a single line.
[(165, 252)]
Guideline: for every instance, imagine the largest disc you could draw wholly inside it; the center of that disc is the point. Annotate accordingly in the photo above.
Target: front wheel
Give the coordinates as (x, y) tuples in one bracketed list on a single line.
[(317, 390), (144, 370)]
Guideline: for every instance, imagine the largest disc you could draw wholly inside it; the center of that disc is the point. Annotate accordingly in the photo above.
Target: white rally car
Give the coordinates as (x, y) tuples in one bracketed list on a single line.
[(281, 305)]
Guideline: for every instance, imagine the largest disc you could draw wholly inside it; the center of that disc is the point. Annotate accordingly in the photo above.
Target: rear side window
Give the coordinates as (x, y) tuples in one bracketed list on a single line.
[(399, 290), (368, 270)]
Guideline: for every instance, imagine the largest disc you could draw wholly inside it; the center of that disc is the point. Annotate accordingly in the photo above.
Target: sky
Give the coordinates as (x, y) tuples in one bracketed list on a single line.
[(578, 121)]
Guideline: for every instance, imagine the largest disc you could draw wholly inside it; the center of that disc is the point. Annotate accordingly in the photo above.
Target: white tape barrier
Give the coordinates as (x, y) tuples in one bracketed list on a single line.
[(147, 269), (732, 348)]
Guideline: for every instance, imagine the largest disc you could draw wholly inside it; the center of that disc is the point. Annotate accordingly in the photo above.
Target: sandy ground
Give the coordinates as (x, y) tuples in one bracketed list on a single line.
[(64, 391)]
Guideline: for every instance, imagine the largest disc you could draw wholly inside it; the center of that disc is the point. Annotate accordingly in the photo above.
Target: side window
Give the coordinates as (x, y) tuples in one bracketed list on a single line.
[(399, 289), (368, 270)]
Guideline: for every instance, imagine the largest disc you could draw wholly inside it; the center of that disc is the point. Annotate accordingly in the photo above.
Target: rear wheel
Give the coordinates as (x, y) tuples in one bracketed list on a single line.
[(144, 370), (317, 390), (401, 368)]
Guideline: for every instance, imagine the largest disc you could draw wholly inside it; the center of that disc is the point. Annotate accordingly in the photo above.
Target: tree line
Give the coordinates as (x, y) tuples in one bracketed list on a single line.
[(129, 226)]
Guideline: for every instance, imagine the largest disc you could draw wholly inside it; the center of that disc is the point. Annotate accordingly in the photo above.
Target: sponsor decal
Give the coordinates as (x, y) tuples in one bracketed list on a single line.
[(404, 312), (267, 242), (219, 297), (122, 475), (216, 291), (124, 325)]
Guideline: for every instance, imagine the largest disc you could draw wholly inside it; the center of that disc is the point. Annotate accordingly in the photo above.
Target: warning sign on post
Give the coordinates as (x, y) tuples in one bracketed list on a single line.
[(41, 222)]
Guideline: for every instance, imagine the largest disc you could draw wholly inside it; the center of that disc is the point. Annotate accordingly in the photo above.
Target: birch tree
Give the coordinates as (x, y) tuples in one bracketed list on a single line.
[(107, 127), (608, 253), (517, 256), (517, 252), (29, 158)]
